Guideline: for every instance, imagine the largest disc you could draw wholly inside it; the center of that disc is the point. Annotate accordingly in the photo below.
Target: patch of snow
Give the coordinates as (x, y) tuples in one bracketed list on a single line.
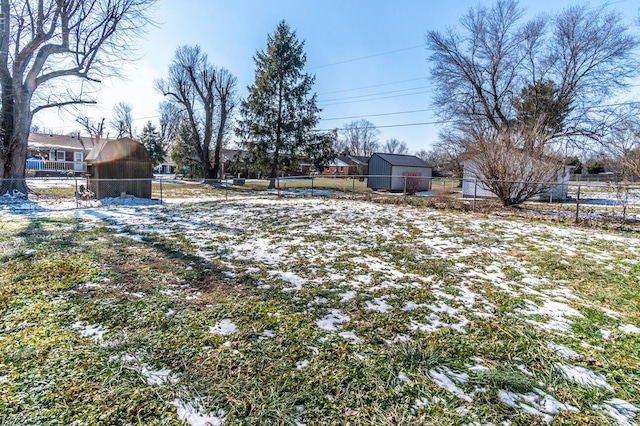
[(563, 351), (584, 377), (350, 335), (332, 321), (620, 410), (629, 328), (558, 313), (524, 369), (537, 403), (189, 412), (412, 306), (292, 278), (606, 334), (447, 379), (95, 332), (155, 377), (379, 305), (402, 376), (345, 297), (477, 368), (302, 364), (226, 326)]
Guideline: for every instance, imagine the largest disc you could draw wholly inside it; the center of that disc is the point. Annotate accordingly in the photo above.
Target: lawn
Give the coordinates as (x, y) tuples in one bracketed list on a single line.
[(313, 311)]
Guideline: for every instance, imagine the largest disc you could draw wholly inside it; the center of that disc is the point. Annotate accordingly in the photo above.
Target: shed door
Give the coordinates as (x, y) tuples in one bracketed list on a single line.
[(78, 161)]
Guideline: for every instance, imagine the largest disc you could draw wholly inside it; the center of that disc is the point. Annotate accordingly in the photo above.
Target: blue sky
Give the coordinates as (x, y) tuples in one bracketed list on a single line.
[(368, 56)]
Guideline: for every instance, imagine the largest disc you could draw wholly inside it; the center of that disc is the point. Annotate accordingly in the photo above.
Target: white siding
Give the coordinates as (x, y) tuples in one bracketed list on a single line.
[(397, 180), (470, 186)]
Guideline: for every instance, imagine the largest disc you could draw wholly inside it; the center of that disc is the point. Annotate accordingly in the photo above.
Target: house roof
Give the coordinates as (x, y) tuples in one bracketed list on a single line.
[(45, 141), (340, 161), (402, 160), (360, 159)]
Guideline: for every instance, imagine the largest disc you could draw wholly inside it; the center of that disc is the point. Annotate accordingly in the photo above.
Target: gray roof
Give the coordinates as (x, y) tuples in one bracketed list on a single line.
[(46, 141), (402, 160)]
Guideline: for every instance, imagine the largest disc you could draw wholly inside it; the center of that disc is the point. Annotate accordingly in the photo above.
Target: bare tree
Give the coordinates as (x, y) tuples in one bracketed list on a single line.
[(95, 129), (621, 147), (225, 88), (502, 164), (394, 146), (202, 91), (122, 121), (499, 77), (359, 138), (44, 47), (172, 118)]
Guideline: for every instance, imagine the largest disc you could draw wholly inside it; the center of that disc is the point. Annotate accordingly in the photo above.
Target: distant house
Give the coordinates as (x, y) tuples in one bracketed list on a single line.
[(119, 166), (472, 185), (396, 172), (60, 152), (347, 165)]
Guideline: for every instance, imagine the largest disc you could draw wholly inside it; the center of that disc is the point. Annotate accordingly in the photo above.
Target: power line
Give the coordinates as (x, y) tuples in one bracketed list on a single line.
[(370, 87), (366, 57), (376, 99), (424, 123), (373, 94), (378, 115)]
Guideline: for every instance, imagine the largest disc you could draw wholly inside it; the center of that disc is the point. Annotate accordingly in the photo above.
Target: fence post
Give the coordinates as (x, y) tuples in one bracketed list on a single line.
[(160, 190), (353, 187), (278, 185), (77, 195), (404, 191), (475, 193), (312, 185), (578, 205)]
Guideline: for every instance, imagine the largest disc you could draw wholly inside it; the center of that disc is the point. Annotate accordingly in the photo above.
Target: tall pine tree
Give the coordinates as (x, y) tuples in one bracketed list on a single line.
[(151, 140), (279, 115)]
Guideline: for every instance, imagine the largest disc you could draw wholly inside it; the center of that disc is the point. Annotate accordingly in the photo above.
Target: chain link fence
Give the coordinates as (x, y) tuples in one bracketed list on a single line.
[(610, 200)]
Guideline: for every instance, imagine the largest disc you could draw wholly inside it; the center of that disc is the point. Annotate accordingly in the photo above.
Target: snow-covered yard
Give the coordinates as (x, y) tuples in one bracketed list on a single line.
[(312, 311)]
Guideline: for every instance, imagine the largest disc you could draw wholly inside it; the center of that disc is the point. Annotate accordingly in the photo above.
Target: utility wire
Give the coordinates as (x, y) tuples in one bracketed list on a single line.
[(375, 99), (366, 57), (378, 115), (373, 94), (370, 87)]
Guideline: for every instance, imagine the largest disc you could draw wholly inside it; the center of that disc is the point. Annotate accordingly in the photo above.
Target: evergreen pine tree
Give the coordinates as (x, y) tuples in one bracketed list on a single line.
[(151, 140), (279, 116)]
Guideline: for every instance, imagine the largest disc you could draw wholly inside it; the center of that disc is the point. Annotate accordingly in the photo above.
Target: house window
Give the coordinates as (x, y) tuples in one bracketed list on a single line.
[(61, 156), (341, 168)]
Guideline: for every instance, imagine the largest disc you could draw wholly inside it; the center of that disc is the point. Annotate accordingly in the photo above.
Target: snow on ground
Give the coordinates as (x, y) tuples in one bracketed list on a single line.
[(95, 331), (447, 379), (224, 327), (584, 376), (295, 243), (537, 403), (190, 412)]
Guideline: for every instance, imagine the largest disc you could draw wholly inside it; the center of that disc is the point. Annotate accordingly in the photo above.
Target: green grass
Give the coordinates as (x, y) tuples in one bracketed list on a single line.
[(156, 300)]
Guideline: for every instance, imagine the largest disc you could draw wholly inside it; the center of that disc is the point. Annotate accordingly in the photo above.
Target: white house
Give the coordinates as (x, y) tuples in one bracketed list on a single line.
[(472, 185)]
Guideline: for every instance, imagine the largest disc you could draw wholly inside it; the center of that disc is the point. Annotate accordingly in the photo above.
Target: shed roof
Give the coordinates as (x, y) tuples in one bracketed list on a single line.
[(403, 160), (114, 149)]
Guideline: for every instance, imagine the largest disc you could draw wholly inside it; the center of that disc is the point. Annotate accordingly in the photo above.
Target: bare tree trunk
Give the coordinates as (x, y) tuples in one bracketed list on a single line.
[(219, 137), (16, 120)]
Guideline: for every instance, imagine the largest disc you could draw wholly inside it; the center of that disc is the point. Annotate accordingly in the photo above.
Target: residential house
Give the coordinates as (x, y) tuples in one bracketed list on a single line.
[(472, 186), (347, 165), (60, 152)]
